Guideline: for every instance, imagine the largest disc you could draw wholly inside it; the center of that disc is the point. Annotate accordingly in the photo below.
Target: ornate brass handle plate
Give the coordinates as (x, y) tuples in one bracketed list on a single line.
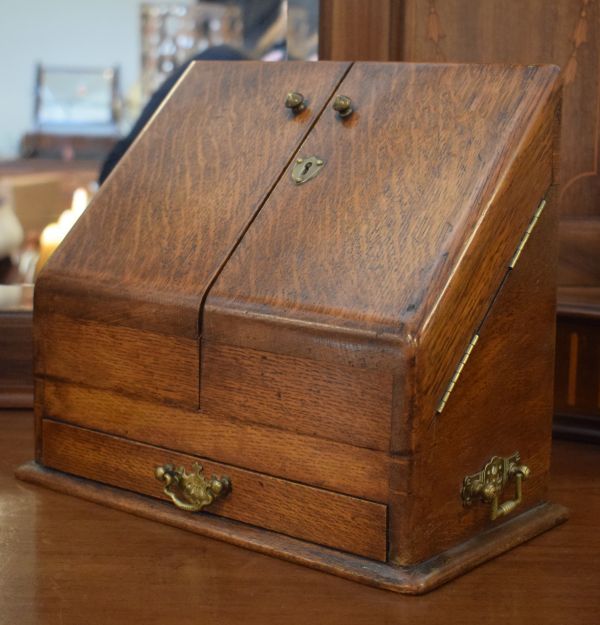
[(488, 484), (191, 491)]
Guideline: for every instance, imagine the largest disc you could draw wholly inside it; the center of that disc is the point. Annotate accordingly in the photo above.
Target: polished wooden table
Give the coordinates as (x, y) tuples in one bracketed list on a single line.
[(66, 561)]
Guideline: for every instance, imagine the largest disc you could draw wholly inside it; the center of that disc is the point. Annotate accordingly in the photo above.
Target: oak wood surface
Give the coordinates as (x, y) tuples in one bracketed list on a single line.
[(162, 226), (282, 506), (418, 579), (318, 399), (380, 267), (138, 362), (495, 409), (270, 450), (412, 173), (66, 560), (530, 178), (562, 32)]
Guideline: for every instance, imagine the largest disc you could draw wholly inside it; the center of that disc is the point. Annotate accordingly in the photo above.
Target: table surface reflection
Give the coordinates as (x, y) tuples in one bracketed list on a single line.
[(67, 561)]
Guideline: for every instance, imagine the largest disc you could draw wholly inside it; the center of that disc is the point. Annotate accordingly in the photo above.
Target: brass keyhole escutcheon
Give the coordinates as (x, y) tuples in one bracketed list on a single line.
[(191, 491), (306, 168), (487, 485)]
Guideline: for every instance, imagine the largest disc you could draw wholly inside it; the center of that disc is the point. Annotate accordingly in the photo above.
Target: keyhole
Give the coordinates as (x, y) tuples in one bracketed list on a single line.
[(306, 167)]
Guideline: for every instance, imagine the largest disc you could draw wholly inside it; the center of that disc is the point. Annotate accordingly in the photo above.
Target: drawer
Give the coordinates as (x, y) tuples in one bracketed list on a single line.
[(312, 514), (317, 462)]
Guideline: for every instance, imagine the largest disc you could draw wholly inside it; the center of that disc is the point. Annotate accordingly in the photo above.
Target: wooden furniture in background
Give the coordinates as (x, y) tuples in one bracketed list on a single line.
[(39, 189), (16, 348), (68, 561), (67, 147), (563, 32), (303, 339)]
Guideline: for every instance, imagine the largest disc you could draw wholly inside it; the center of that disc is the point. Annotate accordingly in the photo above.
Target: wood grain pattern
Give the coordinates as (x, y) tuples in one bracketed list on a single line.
[(359, 31), (414, 580), (285, 507), (564, 33), (502, 403), (529, 178), (320, 400), (16, 367), (184, 193), (343, 267), (332, 324), (269, 450), (65, 558), (145, 364)]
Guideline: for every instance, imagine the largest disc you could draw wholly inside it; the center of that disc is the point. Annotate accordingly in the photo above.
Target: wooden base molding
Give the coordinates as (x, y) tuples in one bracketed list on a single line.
[(412, 580)]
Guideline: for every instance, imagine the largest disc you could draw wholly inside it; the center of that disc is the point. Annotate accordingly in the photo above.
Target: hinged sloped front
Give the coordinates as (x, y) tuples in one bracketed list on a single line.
[(511, 265), (363, 251), (121, 298)]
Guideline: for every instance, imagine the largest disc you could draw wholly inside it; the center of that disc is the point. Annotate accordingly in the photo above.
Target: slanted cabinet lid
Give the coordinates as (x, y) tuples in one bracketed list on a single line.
[(366, 246), (165, 221)]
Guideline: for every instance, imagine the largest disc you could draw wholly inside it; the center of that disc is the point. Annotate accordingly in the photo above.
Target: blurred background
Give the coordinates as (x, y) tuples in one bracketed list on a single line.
[(81, 81), (81, 78)]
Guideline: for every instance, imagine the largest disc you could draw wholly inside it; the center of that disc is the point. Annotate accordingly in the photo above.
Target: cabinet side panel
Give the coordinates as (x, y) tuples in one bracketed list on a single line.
[(502, 403)]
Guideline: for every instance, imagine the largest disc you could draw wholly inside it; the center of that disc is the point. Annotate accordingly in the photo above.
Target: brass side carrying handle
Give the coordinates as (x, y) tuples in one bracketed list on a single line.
[(488, 484), (191, 491)]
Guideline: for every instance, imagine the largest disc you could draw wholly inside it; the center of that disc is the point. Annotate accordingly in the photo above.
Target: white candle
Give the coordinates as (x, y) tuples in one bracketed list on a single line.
[(79, 202), (50, 239)]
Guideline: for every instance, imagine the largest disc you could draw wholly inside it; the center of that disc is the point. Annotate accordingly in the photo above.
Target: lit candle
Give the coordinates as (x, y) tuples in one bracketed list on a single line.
[(54, 233), (50, 239), (79, 202)]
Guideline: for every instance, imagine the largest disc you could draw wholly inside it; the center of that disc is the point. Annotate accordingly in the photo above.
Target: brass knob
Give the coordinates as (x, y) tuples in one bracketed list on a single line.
[(343, 105), (295, 102)]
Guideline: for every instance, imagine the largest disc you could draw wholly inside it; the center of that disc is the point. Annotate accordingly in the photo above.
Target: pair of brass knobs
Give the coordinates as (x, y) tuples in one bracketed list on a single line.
[(296, 102)]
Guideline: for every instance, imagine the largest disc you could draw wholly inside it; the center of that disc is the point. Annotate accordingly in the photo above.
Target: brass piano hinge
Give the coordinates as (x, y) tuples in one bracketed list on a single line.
[(530, 227), (473, 342), (457, 372)]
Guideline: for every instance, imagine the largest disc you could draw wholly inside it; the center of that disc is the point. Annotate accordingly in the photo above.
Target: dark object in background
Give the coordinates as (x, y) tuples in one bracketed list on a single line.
[(218, 53)]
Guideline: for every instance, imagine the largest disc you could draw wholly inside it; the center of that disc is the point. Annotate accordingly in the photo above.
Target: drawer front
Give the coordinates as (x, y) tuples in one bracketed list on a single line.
[(326, 518), (324, 464)]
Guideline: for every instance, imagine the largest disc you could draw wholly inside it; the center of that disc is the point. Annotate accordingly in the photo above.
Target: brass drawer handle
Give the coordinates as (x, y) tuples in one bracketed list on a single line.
[(488, 484), (191, 491)]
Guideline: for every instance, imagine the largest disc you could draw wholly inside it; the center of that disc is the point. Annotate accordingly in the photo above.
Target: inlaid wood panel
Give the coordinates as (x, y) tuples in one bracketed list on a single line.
[(578, 366), (564, 32)]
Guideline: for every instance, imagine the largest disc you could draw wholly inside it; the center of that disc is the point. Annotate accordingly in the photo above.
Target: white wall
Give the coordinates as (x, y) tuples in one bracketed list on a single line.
[(59, 32)]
